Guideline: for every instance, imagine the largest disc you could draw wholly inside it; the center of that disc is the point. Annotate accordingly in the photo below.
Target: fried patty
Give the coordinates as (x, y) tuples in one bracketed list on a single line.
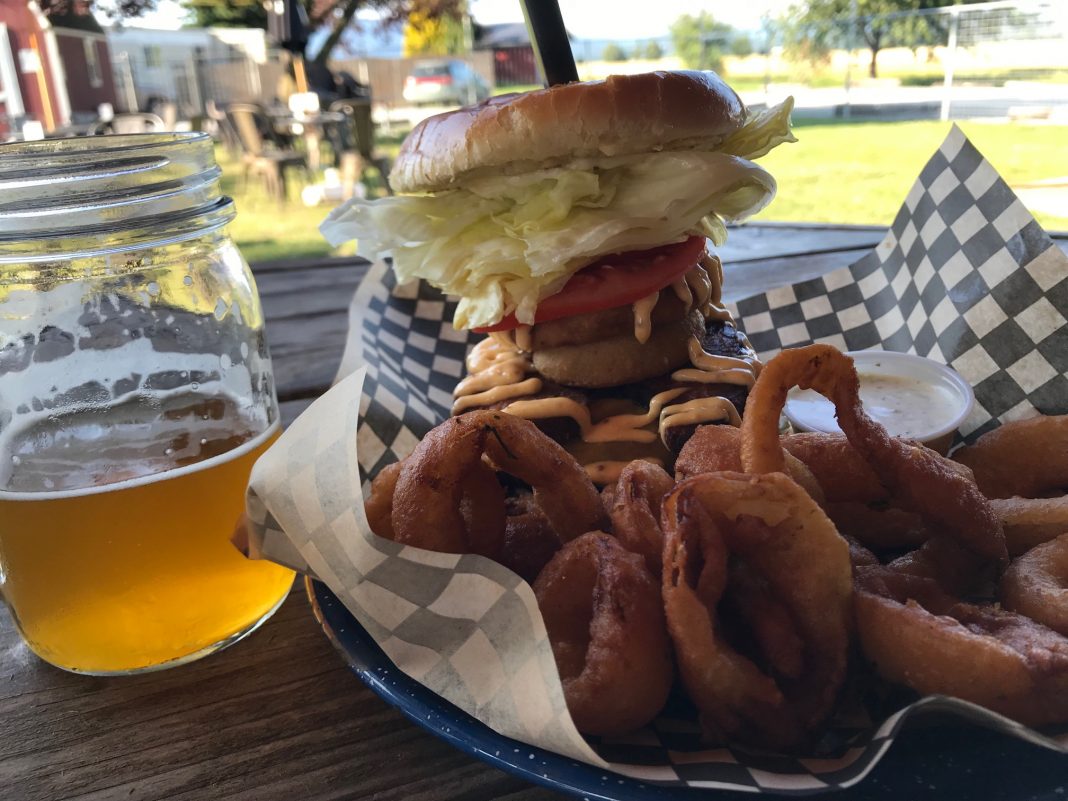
[(600, 349), (719, 337), (621, 359)]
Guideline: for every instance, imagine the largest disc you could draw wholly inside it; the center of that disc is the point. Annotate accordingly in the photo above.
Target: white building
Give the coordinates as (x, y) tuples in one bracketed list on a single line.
[(153, 66)]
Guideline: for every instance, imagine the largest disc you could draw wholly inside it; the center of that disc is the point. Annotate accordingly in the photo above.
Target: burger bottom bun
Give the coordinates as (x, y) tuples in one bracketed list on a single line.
[(621, 359)]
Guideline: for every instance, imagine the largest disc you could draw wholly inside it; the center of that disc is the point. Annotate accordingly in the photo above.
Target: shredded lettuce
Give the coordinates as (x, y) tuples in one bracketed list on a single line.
[(761, 133), (503, 243)]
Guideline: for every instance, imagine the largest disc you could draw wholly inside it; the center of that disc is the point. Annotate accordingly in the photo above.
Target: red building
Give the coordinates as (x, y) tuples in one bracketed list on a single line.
[(54, 64), (513, 57)]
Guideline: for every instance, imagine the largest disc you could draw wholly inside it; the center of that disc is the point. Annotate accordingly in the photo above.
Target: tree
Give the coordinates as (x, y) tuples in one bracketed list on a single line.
[(700, 40), (741, 46), (339, 13), (336, 14), (112, 8), (817, 26), (441, 35), (652, 50), (613, 52), (227, 13)]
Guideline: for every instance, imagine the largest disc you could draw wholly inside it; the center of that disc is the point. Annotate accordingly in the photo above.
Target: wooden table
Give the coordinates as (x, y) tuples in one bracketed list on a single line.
[(279, 716)]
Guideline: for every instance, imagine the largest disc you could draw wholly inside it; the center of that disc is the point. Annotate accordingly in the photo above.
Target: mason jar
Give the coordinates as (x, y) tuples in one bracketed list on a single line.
[(135, 394)]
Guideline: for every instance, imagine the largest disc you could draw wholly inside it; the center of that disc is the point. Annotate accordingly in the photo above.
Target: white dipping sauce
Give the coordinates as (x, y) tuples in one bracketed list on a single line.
[(908, 407), (911, 396)]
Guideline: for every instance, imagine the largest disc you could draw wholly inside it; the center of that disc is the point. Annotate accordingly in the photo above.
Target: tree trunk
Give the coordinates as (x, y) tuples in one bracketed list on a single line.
[(339, 28), (873, 37)]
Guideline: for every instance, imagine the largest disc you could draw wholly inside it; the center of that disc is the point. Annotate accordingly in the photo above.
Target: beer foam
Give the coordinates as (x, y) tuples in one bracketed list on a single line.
[(167, 475)]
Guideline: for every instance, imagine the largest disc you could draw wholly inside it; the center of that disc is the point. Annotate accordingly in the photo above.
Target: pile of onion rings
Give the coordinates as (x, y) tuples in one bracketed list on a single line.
[(1023, 468), (764, 561)]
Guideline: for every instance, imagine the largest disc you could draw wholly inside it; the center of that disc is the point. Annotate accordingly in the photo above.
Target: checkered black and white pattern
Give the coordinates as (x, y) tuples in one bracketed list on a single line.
[(414, 357), (965, 275), (463, 625)]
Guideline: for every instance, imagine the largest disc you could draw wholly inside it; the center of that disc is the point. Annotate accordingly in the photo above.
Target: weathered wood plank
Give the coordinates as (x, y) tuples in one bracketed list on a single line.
[(761, 241), (291, 409), (306, 352), (277, 716), (330, 262), (745, 279)]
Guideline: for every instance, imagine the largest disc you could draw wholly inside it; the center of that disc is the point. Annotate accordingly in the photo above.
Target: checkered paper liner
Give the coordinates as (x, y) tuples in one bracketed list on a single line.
[(965, 275)]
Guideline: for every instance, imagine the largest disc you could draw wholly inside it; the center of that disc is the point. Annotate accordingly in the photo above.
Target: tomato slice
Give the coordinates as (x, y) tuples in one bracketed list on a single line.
[(614, 280)]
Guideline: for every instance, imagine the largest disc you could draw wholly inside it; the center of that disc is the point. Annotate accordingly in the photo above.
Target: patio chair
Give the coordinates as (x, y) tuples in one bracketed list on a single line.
[(132, 123), (260, 158), (353, 142), (224, 130), (168, 112)]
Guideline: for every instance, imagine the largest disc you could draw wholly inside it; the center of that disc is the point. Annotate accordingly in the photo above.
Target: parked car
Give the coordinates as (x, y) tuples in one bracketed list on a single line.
[(445, 82)]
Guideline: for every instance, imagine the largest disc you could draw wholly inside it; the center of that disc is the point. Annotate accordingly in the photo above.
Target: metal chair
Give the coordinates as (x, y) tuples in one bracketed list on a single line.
[(259, 157), (353, 142), (224, 128), (133, 123)]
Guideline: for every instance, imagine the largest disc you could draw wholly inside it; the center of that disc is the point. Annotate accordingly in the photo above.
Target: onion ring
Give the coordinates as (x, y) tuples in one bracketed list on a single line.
[(1036, 584), (919, 479), (842, 473), (1025, 458), (918, 634), (1031, 521), (529, 538), (718, 448), (768, 620), (379, 503), (605, 621), (878, 527), (779, 532), (635, 511), (561, 486), (429, 508)]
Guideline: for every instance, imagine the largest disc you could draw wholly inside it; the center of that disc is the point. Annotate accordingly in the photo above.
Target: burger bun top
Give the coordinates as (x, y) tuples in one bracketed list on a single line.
[(619, 116)]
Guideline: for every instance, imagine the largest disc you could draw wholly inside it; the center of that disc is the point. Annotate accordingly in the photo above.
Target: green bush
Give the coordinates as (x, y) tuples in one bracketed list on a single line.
[(652, 51), (700, 40), (741, 46)]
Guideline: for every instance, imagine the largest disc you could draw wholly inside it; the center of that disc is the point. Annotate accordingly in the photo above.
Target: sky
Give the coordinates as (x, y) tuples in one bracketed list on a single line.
[(631, 19), (585, 19)]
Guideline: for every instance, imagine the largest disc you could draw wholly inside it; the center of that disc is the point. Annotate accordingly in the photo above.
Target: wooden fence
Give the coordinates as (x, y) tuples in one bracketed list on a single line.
[(386, 75)]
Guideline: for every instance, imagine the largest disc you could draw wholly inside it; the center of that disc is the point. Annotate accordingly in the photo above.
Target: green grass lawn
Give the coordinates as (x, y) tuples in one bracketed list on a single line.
[(265, 230), (839, 172), (860, 172)]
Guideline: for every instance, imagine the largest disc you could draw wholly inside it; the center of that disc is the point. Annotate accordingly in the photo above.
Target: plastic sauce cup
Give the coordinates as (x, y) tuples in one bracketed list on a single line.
[(912, 396)]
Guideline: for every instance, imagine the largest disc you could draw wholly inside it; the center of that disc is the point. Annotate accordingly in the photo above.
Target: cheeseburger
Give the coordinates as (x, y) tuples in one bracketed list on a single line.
[(575, 225)]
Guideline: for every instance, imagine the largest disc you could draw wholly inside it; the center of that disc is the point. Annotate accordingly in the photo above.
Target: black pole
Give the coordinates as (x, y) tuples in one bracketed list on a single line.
[(287, 25), (549, 39)]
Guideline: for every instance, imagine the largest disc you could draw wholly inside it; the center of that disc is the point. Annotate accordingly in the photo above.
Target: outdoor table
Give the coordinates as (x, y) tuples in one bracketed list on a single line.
[(311, 127), (279, 716)]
